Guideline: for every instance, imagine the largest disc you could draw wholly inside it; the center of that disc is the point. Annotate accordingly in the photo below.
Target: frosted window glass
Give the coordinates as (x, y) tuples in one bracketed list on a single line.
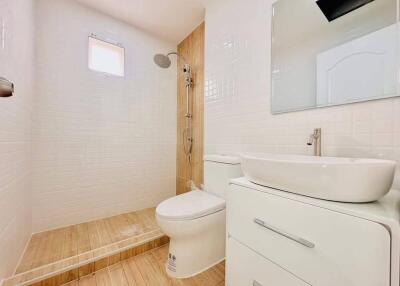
[(106, 57)]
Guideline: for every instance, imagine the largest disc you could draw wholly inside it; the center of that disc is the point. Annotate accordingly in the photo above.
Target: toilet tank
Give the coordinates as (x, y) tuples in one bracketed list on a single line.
[(218, 170)]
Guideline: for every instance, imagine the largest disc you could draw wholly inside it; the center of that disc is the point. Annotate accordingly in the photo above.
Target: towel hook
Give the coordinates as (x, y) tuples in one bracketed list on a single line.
[(6, 87)]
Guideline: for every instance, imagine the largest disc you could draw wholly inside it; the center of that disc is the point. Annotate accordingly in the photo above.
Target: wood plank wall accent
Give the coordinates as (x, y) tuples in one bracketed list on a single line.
[(192, 48)]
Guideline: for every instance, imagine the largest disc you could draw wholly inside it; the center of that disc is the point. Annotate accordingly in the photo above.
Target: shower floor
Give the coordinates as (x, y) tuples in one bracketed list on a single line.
[(78, 250)]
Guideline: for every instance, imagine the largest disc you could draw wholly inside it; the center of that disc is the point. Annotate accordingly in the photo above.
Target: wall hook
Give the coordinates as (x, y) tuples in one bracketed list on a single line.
[(6, 87)]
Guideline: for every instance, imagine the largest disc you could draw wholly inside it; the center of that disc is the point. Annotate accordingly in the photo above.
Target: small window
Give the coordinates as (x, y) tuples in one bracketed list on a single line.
[(106, 57)]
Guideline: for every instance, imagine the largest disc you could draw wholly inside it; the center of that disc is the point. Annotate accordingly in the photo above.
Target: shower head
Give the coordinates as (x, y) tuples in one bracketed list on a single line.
[(162, 61)]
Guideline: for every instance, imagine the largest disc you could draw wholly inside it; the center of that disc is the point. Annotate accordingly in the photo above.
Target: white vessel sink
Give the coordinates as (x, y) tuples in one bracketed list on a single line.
[(329, 178)]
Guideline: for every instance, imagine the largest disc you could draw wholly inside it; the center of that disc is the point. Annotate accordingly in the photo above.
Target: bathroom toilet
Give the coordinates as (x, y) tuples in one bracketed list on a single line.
[(195, 221)]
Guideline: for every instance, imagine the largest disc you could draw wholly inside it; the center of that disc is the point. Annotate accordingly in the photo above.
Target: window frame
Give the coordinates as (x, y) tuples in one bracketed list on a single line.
[(106, 42)]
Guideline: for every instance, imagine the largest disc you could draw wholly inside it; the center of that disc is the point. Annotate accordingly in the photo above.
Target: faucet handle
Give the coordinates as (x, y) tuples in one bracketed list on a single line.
[(315, 138)]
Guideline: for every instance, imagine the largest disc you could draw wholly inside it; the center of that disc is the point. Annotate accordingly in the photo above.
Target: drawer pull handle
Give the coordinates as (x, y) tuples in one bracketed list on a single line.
[(285, 234), (255, 283)]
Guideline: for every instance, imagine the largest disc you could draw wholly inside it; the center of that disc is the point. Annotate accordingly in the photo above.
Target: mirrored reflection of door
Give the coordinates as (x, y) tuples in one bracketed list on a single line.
[(361, 69)]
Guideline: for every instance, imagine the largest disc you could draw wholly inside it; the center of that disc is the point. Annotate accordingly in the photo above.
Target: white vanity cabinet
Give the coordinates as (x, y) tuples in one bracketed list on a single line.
[(278, 238), (245, 267)]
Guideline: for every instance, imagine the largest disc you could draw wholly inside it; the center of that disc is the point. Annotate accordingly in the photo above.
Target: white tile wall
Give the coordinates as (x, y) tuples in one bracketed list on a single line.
[(237, 109), (103, 145), (16, 64)]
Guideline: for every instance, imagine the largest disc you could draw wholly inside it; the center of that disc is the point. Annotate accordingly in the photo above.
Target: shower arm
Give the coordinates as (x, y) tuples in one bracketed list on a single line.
[(178, 55)]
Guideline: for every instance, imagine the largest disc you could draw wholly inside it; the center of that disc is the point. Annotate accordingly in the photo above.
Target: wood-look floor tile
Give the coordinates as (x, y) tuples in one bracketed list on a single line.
[(160, 255), (117, 275), (83, 246), (132, 273), (150, 270), (73, 283), (89, 280), (147, 269), (96, 242), (70, 249), (34, 251), (29, 255), (103, 278), (44, 249), (136, 227), (56, 249), (213, 276)]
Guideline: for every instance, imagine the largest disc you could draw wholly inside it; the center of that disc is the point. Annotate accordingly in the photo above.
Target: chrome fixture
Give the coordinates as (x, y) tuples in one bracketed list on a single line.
[(164, 61), (295, 238), (6, 87), (315, 139)]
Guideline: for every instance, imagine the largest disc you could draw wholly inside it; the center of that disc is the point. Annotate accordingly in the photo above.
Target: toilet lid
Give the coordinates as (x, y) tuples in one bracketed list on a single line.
[(194, 204)]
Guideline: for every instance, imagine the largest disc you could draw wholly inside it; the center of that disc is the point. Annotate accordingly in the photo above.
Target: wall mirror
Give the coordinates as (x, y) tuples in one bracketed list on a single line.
[(324, 55)]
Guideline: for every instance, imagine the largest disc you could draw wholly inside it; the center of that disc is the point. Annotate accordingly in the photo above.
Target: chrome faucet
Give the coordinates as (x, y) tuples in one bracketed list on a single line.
[(315, 139)]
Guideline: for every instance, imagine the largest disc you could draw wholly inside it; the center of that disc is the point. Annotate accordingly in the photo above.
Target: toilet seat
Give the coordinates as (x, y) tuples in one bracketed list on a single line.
[(191, 205)]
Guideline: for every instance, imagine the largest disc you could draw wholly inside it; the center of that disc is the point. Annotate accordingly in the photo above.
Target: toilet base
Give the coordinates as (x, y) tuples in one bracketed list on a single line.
[(173, 274), (195, 245)]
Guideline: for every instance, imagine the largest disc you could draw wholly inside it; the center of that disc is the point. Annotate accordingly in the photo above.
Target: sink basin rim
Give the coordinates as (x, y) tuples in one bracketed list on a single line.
[(305, 159), (353, 180)]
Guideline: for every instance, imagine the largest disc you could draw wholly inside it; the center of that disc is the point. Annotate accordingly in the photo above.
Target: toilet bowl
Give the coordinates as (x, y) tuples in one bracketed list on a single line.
[(195, 221)]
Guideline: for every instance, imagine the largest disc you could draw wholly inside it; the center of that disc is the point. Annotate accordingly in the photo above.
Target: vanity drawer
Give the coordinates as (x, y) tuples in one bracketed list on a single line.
[(320, 246), (247, 268)]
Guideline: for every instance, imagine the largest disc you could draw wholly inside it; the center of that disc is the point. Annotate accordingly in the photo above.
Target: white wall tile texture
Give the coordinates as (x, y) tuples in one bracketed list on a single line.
[(16, 64), (237, 95), (102, 145)]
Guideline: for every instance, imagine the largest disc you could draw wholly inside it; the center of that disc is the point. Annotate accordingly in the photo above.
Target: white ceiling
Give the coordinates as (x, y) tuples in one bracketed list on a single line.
[(171, 20), (308, 22)]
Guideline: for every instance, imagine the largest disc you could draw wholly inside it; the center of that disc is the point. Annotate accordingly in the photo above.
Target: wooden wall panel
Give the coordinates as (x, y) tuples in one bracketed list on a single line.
[(192, 49)]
